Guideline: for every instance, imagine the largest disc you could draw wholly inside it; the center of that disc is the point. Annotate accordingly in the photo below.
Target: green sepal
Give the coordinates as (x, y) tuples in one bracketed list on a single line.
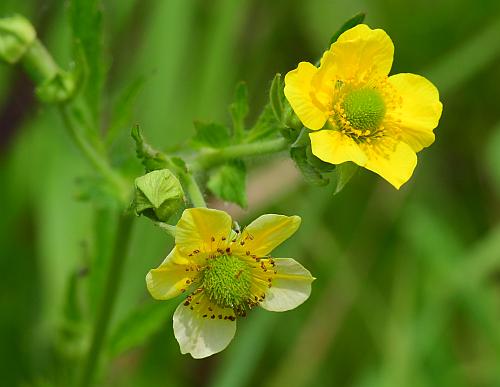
[(266, 127), (158, 195), (277, 97), (311, 174), (228, 183), (352, 22), (317, 163), (343, 173), (211, 135), (239, 109), (16, 36), (302, 139), (150, 157)]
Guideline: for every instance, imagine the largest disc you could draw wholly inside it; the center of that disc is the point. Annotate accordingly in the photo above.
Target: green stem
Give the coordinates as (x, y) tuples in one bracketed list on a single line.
[(94, 158), (193, 190), (115, 271), (212, 157), (168, 228), (39, 64)]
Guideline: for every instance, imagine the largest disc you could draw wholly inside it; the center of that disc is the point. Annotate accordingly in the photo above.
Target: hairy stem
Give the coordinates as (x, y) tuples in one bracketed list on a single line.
[(212, 157), (38, 63), (193, 190), (104, 313)]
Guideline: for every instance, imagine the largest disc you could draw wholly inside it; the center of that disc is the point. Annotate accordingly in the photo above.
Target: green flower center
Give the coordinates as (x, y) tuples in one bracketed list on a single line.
[(227, 281), (364, 108)]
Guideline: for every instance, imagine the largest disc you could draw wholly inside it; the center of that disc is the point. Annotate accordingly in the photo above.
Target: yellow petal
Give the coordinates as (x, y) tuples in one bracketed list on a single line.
[(172, 277), (334, 147), (303, 97), (291, 286), (202, 230), (395, 162), (359, 54), (202, 336), (265, 233), (420, 110)]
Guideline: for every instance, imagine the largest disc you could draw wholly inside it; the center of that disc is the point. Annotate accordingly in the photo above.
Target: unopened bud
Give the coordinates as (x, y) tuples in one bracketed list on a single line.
[(158, 195), (16, 36)]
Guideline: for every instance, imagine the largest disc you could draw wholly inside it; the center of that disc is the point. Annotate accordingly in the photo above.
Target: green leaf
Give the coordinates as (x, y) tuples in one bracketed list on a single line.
[(158, 195), (311, 174), (343, 173), (212, 135), (228, 182), (123, 109), (239, 109), (86, 24), (139, 326), (352, 22), (277, 97)]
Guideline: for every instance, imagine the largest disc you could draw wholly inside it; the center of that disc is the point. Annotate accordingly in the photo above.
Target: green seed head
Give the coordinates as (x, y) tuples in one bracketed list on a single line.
[(364, 108), (227, 281)]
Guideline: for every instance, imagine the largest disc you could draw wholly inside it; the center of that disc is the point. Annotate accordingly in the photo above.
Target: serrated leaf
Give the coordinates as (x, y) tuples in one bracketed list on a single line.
[(311, 174), (342, 174), (352, 22), (139, 326), (276, 97), (86, 24), (211, 135), (239, 109), (228, 182)]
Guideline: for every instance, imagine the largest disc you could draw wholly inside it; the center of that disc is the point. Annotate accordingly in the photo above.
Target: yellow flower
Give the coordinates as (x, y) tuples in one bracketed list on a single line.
[(227, 273), (358, 112)]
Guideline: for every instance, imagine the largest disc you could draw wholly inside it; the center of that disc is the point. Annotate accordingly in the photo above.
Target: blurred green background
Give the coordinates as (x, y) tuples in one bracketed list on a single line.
[(408, 282)]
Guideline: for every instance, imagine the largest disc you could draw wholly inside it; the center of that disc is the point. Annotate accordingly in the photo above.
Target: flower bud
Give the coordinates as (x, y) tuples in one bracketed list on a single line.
[(158, 195), (16, 36), (59, 88)]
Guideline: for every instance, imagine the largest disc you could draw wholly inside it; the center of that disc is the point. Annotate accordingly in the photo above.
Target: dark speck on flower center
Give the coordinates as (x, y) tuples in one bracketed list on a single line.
[(227, 281)]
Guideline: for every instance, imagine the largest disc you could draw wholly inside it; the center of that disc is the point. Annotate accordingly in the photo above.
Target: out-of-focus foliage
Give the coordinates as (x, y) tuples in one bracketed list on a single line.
[(408, 289)]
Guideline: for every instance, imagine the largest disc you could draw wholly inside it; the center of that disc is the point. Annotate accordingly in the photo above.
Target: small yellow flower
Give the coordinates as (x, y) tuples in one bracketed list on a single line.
[(228, 272), (358, 112)]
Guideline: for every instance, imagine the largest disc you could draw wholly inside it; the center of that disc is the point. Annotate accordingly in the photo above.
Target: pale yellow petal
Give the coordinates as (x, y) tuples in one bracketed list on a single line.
[(395, 162), (201, 336), (202, 230), (360, 54), (303, 97), (291, 286), (265, 233), (172, 277), (420, 109), (335, 147)]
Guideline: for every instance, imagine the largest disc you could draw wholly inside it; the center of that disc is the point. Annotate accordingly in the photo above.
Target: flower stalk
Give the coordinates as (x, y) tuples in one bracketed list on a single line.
[(113, 281), (212, 157)]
